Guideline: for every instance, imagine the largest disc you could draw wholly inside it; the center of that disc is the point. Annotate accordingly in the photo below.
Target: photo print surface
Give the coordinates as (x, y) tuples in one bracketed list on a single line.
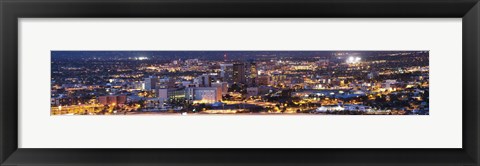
[(225, 82)]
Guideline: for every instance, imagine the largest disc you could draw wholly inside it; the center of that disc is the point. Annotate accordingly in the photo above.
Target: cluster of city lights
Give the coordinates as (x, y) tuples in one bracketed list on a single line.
[(323, 83), (141, 58), (353, 60)]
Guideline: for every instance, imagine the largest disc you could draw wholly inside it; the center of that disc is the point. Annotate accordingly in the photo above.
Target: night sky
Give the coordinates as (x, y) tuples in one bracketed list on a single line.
[(233, 55)]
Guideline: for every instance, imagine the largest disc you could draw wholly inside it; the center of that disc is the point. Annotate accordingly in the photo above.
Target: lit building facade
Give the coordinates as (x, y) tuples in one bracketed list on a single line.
[(203, 94), (112, 100), (222, 85), (239, 73), (171, 94), (226, 72), (251, 73), (203, 81)]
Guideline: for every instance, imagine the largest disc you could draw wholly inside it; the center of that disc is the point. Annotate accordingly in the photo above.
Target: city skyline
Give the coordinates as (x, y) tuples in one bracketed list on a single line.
[(240, 82)]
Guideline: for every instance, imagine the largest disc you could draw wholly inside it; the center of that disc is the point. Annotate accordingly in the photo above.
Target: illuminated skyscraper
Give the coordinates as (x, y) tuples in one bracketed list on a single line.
[(226, 72), (239, 73), (203, 81)]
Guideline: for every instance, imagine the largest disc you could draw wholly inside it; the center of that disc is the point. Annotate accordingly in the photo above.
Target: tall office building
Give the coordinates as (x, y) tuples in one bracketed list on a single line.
[(226, 72), (151, 83), (251, 73), (203, 81), (239, 73)]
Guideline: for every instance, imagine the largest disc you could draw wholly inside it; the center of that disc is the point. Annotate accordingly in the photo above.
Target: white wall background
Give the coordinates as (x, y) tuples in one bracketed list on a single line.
[(441, 129)]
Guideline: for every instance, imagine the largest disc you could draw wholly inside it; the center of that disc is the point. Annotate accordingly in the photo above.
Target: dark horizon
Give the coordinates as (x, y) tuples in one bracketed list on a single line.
[(215, 54)]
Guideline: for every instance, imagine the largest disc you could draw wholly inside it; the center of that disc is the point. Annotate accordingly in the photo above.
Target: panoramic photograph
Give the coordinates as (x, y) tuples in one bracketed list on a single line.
[(239, 83)]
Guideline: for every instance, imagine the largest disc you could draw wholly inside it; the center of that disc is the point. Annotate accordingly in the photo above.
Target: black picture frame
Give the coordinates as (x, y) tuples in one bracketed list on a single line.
[(11, 10)]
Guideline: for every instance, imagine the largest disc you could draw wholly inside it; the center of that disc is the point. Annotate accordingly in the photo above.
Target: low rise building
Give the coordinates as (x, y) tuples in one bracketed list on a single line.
[(252, 91), (112, 100), (203, 94)]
